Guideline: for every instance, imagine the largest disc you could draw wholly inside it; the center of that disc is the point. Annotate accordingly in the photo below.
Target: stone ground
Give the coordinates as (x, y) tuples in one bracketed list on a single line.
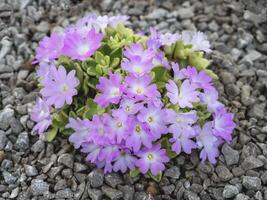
[(33, 169)]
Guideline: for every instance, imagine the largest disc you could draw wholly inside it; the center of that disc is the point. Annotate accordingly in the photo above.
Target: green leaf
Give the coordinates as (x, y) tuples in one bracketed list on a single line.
[(156, 178), (67, 132), (60, 119), (51, 134), (135, 173), (171, 153), (85, 85), (79, 72), (196, 59), (160, 74), (99, 57), (91, 109), (98, 70), (72, 114), (211, 74), (116, 53), (115, 62)]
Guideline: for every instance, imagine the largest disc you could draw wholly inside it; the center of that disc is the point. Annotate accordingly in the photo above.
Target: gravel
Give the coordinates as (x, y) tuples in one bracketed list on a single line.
[(33, 169)]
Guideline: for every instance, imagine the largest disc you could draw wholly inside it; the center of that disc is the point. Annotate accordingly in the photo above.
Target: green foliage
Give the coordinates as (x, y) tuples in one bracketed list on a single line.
[(156, 178), (51, 134), (135, 173), (60, 119)]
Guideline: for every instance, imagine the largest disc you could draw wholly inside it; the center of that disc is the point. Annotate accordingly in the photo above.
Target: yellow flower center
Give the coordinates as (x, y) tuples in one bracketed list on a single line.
[(139, 91), (128, 108), (65, 88), (119, 124), (138, 129), (150, 156), (150, 119)]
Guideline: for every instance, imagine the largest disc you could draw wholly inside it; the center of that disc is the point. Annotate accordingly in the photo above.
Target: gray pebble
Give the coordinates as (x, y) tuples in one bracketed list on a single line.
[(230, 191), (66, 159), (173, 172), (111, 193), (65, 193), (9, 178), (251, 162), (30, 170), (5, 117), (3, 140), (96, 178), (251, 183), (22, 142), (224, 173), (113, 179), (241, 197), (231, 156), (128, 192), (38, 187), (95, 194)]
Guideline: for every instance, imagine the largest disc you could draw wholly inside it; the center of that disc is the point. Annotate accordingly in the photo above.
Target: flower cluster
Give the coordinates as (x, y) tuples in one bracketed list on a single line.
[(129, 101)]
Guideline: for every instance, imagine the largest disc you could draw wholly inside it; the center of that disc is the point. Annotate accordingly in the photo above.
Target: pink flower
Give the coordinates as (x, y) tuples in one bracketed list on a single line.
[(111, 90), (60, 87), (182, 131), (207, 142), (184, 96), (223, 124), (139, 135), (168, 39), (124, 161), (141, 88), (152, 159), (201, 79), (210, 98), (81, 48), (137, 66), (41, 115), (50, 48), (138, 51), (154, 118), (81, 133)]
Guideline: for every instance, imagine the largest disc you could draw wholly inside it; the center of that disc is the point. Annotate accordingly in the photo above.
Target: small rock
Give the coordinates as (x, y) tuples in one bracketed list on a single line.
[(113, 194), (5, 117), (38, 146), (251, 183), (9, 178), (3, 140), (258, 196), (227, 77), (14, 193), (264, 177), (79, 167), (61, 184), (231, 156), (191, 195), (113, 179), (241, 197), (22, 142), (158, 13), (185, 13), (173, 172), (251, 162), (128, 192), (261, 73), (66, 193), (96, 178), (223, 173), (95, 194), (230, 191), (232, 90), (43, 27), (168, 189), (66, 159), (257, 111), (38, 187), (30, 170)]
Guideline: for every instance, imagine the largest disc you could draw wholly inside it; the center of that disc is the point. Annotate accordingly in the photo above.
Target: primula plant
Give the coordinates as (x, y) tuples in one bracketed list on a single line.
[(129, 101)]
